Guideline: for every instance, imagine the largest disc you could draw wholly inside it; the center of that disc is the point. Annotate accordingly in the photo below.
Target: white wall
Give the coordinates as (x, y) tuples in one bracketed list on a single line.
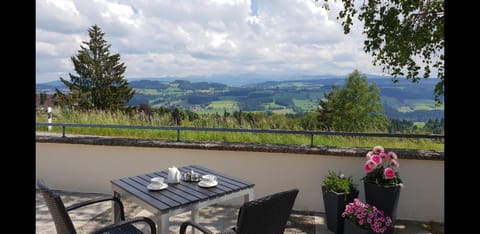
[(89, 168)]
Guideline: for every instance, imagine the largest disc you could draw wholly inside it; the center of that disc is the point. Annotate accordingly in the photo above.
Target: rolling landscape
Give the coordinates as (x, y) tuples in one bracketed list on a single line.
[(287, 95)]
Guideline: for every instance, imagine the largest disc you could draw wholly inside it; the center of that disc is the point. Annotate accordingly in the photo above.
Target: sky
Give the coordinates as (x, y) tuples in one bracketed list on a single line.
[(165, 38)]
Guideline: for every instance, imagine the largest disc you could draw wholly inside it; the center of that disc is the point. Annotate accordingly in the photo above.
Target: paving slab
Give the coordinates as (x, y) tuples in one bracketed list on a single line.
[(216, 218)]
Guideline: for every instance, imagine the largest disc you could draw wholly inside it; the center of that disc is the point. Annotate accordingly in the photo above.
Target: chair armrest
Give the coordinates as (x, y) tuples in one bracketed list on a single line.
[(184, 225), (120, 224), (98, 200)]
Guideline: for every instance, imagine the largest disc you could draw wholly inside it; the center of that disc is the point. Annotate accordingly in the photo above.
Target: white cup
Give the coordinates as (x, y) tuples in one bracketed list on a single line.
[(157, 181), (209, 178)]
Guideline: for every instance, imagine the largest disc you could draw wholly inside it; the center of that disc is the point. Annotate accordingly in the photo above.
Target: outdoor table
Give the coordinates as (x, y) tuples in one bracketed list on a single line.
[(178, 198)]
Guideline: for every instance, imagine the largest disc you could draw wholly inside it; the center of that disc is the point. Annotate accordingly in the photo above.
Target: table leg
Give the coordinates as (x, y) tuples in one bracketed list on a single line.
[(163, 224), (116, 209), (195, 217), (249, 196)]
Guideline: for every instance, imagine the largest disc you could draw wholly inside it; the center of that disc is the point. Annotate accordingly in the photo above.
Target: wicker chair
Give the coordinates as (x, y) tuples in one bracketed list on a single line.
[(267, 215), (64, 224)]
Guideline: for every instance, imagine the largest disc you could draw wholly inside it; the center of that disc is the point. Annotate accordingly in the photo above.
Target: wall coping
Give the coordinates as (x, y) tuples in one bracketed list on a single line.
[(44, 137)]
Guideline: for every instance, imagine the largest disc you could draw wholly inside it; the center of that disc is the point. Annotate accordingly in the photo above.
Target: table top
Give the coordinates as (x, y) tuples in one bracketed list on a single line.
[(183, 193)]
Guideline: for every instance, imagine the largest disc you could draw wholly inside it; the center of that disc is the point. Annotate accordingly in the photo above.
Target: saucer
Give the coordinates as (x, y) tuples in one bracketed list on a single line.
[(156, 187), (203, 184)]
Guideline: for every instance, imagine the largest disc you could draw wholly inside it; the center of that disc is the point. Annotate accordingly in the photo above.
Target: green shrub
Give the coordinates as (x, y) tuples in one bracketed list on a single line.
[(336, 182)]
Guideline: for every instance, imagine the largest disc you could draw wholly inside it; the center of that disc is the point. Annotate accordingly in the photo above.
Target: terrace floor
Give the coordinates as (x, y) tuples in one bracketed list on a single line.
[(216, 218)]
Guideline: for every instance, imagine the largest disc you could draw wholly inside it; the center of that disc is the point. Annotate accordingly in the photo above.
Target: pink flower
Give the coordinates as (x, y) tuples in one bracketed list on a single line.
[(393, 155), (367, 216), (381, 168), (378, 149), (389, 173), (369, 166), (377, 159), (369, 155), (384, 155), (395, 163)]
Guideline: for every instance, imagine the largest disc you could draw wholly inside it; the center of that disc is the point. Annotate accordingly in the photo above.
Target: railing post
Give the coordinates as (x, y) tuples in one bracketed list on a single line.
[(50, 117), (178, 134), (63, 131), (311, 140)]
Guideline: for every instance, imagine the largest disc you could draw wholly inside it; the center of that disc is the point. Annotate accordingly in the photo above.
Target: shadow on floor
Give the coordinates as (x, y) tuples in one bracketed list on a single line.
[(216, 218)]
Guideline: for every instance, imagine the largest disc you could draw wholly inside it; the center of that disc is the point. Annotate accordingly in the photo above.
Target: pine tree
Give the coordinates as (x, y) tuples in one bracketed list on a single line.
[(100, 83)]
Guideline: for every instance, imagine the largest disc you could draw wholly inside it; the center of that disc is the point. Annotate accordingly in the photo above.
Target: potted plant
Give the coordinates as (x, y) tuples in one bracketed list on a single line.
[(382, 181), (337, 191), (363, 218)]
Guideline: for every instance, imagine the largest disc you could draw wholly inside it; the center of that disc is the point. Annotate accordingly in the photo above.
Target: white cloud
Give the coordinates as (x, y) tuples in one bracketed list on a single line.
[(45, 49), (115, 13), (64, 5), (184, 37)]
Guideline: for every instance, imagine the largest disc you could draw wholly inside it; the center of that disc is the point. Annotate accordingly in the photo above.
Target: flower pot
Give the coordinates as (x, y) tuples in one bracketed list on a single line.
[(351, 228), (384, 198), (334, 204)]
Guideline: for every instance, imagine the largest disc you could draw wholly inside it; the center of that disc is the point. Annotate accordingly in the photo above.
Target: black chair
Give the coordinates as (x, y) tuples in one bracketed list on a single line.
[(267, 215), (64, 224)]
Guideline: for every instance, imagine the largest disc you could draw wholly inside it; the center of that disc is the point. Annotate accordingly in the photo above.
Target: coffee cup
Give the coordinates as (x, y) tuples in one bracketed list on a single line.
[(209, 179), (157, 181)]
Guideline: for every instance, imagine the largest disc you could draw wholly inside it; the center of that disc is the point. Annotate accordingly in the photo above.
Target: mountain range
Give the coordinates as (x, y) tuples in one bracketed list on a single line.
[(276, 94)]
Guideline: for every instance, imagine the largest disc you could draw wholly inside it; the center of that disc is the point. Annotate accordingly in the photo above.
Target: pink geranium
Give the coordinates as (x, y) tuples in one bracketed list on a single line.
[(378, 149), (369, 166), (369, 155), (394, 163), (389, 173), (376, 158), (381, 167), (393, 155)]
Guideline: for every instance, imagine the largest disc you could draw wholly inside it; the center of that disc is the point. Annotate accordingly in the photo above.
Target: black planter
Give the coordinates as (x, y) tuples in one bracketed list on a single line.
[(383, 198), (334, 206), (351, 228)]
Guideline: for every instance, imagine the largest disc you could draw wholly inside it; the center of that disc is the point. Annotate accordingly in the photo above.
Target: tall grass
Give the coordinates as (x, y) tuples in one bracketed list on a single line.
[(119, 118)]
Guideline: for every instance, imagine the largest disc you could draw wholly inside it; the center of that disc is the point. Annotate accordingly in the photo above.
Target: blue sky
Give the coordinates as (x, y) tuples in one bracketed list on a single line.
[(201, 37)]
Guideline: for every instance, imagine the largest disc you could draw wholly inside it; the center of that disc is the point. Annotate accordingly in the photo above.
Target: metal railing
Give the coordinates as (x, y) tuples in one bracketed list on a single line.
[(311, 133)]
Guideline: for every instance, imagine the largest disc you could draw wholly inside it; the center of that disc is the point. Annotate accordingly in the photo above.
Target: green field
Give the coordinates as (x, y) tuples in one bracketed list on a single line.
[(283, 111), (422, 104), (116, 118), (148, 91), (221, 106), (419, 124), (404, 109), (273, 106), (305, 104), (411, 105)]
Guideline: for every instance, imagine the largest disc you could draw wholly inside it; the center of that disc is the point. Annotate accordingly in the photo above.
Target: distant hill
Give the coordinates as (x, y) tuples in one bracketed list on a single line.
[(403, 100), (49, 87), (238, 80)]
